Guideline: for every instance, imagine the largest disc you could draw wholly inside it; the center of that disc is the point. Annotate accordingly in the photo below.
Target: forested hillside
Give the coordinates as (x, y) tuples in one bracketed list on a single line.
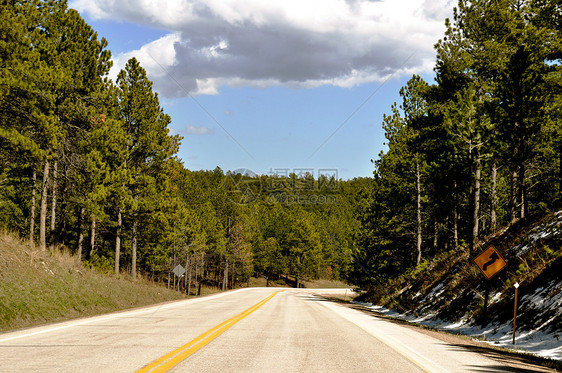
[(477, 150), (90, 164)]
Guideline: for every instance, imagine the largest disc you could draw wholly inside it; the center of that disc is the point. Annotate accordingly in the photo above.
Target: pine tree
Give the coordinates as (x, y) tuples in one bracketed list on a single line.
[(149, 145), (57, 66)]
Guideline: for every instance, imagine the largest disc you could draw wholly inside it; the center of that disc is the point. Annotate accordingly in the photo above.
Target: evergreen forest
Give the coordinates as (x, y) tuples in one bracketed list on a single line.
[(89, 164)]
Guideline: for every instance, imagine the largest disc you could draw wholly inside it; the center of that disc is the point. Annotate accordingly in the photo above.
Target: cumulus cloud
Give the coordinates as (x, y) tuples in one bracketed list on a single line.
[(194, 130), (295, 43), (155, 57)]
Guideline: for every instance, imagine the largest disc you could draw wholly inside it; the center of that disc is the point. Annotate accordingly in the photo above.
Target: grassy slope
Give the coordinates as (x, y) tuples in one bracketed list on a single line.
[(39, 287)]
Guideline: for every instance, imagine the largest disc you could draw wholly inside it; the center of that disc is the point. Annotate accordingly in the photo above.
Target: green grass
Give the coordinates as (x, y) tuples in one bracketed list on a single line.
[(41, 287)]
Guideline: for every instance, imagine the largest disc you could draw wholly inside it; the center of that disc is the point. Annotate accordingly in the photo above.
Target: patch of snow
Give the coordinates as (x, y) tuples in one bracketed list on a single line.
[(436, 291), (537, 342), (456, 325), (495, 298), (423, 318), (552, 228)]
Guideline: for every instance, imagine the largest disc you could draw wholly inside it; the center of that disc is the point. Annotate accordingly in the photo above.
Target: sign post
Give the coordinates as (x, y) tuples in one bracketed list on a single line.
[(516, 285), (490, 263), (486, 297)]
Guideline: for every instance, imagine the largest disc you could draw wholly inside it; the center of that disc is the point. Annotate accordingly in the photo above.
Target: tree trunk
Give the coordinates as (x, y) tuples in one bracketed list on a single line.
[(33, 198), (43, 211), (560, 171), (476, 203), (523, 191), (63, 218), (81, 234), (203, 273), (196, 284), (435, 234), (134, 234), (174, 266), (494, 198), (225, 277), (54, 201), (134, 250), (418, 214), (447, 238), (92, 237), (185, 275), (455, 220), (190, 262), (513, 197), (118, 240)]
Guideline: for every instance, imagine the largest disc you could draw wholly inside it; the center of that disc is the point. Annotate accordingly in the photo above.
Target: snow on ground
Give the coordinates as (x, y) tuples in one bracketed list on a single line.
[(544, 344), (553, 228)]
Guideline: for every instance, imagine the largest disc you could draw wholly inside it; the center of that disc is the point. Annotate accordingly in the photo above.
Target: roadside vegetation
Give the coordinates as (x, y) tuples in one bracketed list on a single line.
[(475, 152), (474, 160), (89, 165), (38, 287), (451, 288), (451, 295)]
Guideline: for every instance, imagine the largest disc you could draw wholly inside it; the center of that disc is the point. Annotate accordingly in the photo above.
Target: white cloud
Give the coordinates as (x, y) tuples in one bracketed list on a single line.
[(194, 130), (156, 57), (296, 43)]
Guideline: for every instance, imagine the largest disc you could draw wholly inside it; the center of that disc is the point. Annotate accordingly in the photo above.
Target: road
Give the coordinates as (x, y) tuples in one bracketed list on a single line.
[(247, 330)]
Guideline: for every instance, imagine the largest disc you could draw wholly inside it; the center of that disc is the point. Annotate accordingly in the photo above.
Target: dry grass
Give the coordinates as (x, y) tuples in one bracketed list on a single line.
[(38, 287), (326, 284)]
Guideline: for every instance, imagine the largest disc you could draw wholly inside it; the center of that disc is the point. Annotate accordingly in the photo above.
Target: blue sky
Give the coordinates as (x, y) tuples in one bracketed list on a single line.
[(275, 86)]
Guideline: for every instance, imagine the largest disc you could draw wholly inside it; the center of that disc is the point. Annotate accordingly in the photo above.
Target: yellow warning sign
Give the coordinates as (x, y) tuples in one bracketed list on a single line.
[(490, 262)]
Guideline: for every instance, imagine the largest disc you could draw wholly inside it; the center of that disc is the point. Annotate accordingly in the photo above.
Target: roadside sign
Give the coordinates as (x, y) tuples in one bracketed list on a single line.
[(490, 262), (179, 270)]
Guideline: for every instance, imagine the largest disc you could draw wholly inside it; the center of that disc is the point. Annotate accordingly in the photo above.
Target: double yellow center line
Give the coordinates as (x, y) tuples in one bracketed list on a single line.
[(173, 358)]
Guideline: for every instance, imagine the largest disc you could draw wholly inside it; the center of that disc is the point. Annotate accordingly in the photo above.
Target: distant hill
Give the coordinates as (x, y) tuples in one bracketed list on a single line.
[(39, 287), (449, 292)]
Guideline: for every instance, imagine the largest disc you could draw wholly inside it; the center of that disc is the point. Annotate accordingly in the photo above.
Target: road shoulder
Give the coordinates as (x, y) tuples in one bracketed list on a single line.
[(518, 361)]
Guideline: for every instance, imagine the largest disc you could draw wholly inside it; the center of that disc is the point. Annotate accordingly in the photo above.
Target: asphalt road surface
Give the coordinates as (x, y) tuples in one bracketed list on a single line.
[(247, 330)]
